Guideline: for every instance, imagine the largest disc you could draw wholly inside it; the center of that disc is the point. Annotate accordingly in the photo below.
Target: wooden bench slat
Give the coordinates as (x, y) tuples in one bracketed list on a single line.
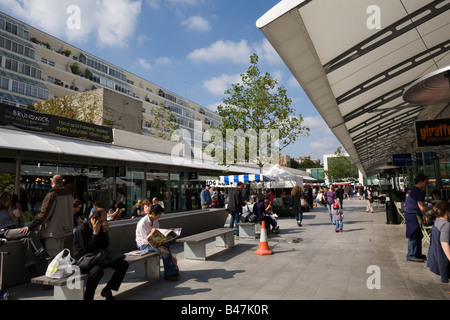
[(130, 258), (206, 235)]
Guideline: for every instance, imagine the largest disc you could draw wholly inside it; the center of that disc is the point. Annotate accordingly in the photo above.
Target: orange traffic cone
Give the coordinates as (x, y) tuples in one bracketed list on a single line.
[(263, 244)]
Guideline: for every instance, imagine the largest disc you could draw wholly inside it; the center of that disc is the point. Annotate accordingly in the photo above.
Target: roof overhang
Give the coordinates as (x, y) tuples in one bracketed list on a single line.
[(355, 75)]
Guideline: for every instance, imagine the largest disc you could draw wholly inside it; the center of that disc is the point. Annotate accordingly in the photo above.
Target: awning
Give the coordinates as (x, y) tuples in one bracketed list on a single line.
[(355, 71), (244, 178), (37, 142)]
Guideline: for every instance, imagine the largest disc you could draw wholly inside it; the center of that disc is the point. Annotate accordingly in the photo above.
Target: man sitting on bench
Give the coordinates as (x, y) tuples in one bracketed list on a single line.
[(90, 248), (144, 228)]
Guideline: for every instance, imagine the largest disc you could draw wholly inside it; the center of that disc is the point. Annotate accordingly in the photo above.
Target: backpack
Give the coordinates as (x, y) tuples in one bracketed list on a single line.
[(247, 215)]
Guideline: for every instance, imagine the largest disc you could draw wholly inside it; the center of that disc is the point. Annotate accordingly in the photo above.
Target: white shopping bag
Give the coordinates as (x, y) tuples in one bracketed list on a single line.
[(61, 265)]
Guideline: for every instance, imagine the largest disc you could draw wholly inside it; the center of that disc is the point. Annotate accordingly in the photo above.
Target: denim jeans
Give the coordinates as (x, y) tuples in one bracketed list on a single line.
[(330, 211), (234, 219), (414, 248), (299, 217), (339, 224), (169, 267)]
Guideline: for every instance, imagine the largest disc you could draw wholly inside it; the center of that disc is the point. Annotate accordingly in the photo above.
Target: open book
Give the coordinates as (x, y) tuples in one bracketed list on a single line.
[(161, 236)]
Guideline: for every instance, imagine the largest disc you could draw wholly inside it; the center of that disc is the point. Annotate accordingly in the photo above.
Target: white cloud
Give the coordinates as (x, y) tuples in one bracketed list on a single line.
[(196, 23), (112, 22), (267, 53), (144, 64), (163, 61), (218, 85), (236, 52)]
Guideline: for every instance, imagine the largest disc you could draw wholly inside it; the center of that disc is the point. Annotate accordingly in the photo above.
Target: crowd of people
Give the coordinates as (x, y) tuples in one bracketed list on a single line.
[(60, 217)]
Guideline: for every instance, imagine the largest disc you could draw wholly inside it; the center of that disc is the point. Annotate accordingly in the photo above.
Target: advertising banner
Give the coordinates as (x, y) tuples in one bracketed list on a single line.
[(46, 123)]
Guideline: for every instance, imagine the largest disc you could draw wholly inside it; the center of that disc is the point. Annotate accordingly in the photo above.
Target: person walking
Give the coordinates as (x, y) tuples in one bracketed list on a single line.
[(235, 205), (296, 207), (55, 218), (368, 195), (338, 217), (330, 198), (415, 205)]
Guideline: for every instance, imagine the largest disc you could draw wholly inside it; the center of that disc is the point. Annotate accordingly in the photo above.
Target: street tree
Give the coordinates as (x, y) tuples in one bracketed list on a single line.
[(259, 113)]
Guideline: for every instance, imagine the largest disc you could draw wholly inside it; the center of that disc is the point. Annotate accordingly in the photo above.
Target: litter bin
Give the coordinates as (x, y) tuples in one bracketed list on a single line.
[(391, 213)]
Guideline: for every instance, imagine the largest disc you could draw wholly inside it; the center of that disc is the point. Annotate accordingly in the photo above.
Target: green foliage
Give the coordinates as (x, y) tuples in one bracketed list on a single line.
[(163, 123), (258, 104), (6, 180), (340, 167)]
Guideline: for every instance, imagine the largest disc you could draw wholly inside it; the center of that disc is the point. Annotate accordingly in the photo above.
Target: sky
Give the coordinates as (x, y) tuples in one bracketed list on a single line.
[(194, 48)]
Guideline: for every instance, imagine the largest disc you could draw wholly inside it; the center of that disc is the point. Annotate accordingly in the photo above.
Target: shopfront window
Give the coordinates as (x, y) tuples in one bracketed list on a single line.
[(134, 190), (158, 186)]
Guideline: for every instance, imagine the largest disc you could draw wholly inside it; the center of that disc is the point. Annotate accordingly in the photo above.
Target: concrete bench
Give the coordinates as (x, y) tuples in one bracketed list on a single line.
[(72, 288), (248, 230), (195, 245)]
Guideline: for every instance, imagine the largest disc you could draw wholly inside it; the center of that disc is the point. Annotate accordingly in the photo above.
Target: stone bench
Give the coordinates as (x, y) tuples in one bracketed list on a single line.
[(72, 288), (248, 230), (195, 245)]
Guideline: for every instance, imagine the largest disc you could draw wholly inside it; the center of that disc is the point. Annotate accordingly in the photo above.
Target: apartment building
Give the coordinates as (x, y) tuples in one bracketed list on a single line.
[(36, 66)]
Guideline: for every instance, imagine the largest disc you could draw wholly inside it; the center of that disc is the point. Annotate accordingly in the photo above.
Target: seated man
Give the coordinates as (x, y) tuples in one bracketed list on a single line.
[(92, 238), (144, 228)]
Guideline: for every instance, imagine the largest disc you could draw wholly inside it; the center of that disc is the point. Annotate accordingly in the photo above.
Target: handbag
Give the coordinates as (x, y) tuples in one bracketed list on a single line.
[(61, 266)]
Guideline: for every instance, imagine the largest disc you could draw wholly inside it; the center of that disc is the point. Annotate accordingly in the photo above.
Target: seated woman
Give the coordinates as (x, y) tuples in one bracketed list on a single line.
[(8, 230), (113, 212), (439, 251), (260, 211), (144, 228)]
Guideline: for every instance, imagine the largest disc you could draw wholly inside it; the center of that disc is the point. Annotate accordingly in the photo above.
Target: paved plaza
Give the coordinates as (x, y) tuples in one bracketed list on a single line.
[(311, 262)]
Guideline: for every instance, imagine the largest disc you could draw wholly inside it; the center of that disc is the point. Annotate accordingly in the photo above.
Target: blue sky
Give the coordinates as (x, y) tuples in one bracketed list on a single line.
[(195, 48)]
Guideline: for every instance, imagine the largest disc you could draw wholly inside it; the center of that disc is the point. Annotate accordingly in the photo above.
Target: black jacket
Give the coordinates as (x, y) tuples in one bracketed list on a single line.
[(84, 241), (235, 202)]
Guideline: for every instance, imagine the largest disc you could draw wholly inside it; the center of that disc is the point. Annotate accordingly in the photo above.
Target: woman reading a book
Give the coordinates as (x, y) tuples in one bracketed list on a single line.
[(147, 226)]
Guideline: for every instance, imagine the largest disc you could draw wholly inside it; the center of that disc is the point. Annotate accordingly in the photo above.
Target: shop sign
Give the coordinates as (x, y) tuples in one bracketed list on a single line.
[(433, 133), (46, 123)]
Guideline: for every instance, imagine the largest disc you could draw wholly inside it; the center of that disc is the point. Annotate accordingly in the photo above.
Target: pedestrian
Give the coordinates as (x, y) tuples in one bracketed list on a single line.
[(330, 198), (415, 205), (91, 239), (235, 205), (368, 195), (296, 207), (55, 220), (205, 198), (147, 226), (340, 195), (188, 198), (338, 217), (439, 251)]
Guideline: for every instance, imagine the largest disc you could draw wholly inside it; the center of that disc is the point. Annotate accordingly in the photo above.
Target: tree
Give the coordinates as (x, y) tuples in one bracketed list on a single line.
[(258, 106), (163, 123), (340, 167)]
